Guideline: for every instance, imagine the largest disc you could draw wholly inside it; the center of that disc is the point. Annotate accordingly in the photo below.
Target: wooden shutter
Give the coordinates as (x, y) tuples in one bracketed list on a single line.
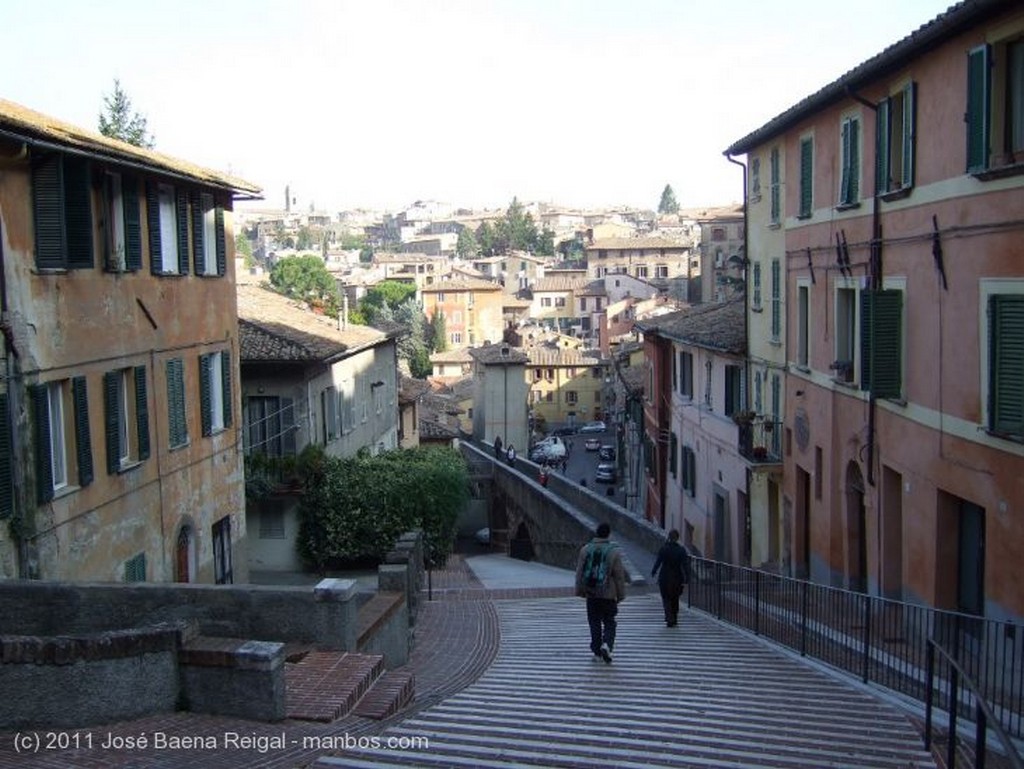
[(6, 460), (853, 162), (882, 149), (979, 81), (909, 133), (221, 244), (178, 424), (225, 370), (78, 212), (48, 210), (142, 411), (156, 258), (181, 225), (196, 207), (844, 171), (44, 470), (111, 410), (806, 176), (204, 394), (673, 453), (881, 342), (132, 223), (1006, 364), (83, 437)]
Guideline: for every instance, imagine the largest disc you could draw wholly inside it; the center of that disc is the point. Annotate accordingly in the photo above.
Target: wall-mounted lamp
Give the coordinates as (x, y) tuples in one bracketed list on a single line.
[(798, 393)]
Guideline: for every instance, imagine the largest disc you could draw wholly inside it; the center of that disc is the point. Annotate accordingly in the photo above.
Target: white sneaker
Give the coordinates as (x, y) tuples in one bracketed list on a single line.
[(606, 653)]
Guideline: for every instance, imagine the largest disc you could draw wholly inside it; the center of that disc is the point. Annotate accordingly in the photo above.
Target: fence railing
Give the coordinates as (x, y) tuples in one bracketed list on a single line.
[(876, 639)]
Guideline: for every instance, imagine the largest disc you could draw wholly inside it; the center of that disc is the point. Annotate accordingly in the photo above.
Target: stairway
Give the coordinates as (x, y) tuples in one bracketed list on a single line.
[(699, 695), (325, 686)]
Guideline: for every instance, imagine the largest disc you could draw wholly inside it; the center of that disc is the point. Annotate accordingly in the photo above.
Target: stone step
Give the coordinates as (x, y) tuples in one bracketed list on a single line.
[(698, 695), (324, 686), (392, 692)]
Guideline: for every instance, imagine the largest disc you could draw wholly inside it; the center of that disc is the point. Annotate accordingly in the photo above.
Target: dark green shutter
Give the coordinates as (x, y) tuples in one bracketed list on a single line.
[(222, 258), (83, 437), (225, 370), (178, 425), (806, 176), (673, 453), (844, 171), (78, 212), (181, 224), (979, 80), (882, 331), (909, 132), (198, 260), (44, 469), (48, 210), (111, 410), (142, 411), (156, 263), (882, 149), (854, 162), (204, 394), (132, 223), (1006, 375), (6, 461)]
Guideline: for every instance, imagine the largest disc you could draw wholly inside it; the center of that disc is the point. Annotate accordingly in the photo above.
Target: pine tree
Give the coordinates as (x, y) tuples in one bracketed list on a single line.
[(668, 204), (119, 121)]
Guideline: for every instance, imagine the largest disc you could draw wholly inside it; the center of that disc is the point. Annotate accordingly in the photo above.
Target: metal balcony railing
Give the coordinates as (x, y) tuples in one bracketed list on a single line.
[(761, 440), (879, 640)]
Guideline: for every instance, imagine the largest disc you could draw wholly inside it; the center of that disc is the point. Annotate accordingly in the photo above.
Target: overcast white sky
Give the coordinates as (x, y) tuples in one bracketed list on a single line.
[(378, 103)]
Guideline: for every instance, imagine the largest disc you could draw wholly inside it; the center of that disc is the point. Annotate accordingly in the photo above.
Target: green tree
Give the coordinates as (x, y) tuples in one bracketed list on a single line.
[(485, 237), (466, 246), (120, 121), (390, 293), (438, 332), (306, 278), (546, 243), (355, 508), (244, 248), (304, 239), (668, 204)]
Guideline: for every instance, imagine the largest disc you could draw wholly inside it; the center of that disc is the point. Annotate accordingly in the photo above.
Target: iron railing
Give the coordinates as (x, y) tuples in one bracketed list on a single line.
[(876, 639), (761, 440)]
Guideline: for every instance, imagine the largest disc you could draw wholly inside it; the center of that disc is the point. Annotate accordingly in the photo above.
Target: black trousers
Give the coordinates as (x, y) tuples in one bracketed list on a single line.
[(601, 618), (670, 601)]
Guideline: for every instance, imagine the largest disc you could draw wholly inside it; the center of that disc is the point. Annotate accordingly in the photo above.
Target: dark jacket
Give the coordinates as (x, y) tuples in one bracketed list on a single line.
[(674, 562)]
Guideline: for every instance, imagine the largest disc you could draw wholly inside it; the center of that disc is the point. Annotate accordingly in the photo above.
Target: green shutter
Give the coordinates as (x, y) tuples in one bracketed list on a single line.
[(44, 470), (135, 569), (844, 171), (806, 174), (221, 244), (1006, 375), (854, 162), (181, 224), (673, 449), (881, 342), (908, 138), (132, 223), (142, 411), (204, 394), (979, 83), (178, 424), (225, 369), (48, 210), (111, 410), (6, 460), (156, 265), (78, 212), (83, 437), (882, 149), (196, 207)]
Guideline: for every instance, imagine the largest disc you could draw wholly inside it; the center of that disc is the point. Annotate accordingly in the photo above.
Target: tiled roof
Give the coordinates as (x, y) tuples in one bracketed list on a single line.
[(492, 353), (562, 356), (410, 390), (593, 288), (559, 283), (32, 126), (632, 244), (926, 38), (273, 327), (718, 326), (461, 284), (460, 355)]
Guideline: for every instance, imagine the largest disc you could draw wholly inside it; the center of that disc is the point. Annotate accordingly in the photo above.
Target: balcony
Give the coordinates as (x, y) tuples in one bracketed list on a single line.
[(760, 440)]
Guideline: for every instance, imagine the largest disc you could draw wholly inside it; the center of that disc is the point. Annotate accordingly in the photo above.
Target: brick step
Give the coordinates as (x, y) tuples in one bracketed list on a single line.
[(324, 686), (392, 692)]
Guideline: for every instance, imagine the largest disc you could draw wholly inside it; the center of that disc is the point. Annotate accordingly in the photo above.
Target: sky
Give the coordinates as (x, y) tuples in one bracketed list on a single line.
[(380, 103)]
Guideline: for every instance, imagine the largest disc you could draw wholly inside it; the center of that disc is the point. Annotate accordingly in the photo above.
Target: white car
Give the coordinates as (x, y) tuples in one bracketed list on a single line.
[(548, 450), (594, 427)]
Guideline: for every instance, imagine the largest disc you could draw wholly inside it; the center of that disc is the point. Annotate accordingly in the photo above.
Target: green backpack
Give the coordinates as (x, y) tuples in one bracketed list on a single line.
[(596, 570)]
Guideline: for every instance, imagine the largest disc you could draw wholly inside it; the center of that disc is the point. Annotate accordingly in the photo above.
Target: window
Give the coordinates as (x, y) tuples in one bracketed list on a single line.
[(734, 395), (123, 235), (755, 179), (135, 568), (62, 212), (995, 105), (545, 301), (272, 524), (440, 297), (559, 301), (456, 337), (176, 415), (806, 177), (776, 288), (641, 271), (776, 184), (707, 384), (673, 453), (167, 216), (62, 435), (755, 302), (329, 413), (686, 374), (718, 234), (208, 235), (222, 573), (803, 299), (270, 426), (348, 407), (894, 164), (126, 417), (846, 334), (661, 271), (215, 391), (849, 176), (549, 374), (1006, 364), (571, 397), (757, 393), (689, 471), (583, 304)]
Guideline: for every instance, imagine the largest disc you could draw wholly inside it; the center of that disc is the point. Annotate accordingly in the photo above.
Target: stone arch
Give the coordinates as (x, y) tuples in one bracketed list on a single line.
[(521, 544)]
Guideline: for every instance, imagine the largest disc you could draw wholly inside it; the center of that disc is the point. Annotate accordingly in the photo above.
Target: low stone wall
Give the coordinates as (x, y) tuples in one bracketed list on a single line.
[(233, 677), (384, 627)]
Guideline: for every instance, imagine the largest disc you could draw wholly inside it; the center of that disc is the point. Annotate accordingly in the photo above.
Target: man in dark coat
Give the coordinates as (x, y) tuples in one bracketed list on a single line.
[(674, 563), (603, 597)]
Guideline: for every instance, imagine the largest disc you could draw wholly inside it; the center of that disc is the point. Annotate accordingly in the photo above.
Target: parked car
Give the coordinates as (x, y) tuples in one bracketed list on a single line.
[(548, 450), (594, 427), (606, 452), (605, 473), (592, 444), (566, 430)]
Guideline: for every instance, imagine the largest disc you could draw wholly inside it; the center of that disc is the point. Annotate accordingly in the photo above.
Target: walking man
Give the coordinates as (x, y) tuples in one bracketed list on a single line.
[(674, 563), (601, 579)]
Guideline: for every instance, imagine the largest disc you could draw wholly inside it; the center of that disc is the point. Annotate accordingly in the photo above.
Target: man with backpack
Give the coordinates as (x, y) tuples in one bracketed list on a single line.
[(601, 579)]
